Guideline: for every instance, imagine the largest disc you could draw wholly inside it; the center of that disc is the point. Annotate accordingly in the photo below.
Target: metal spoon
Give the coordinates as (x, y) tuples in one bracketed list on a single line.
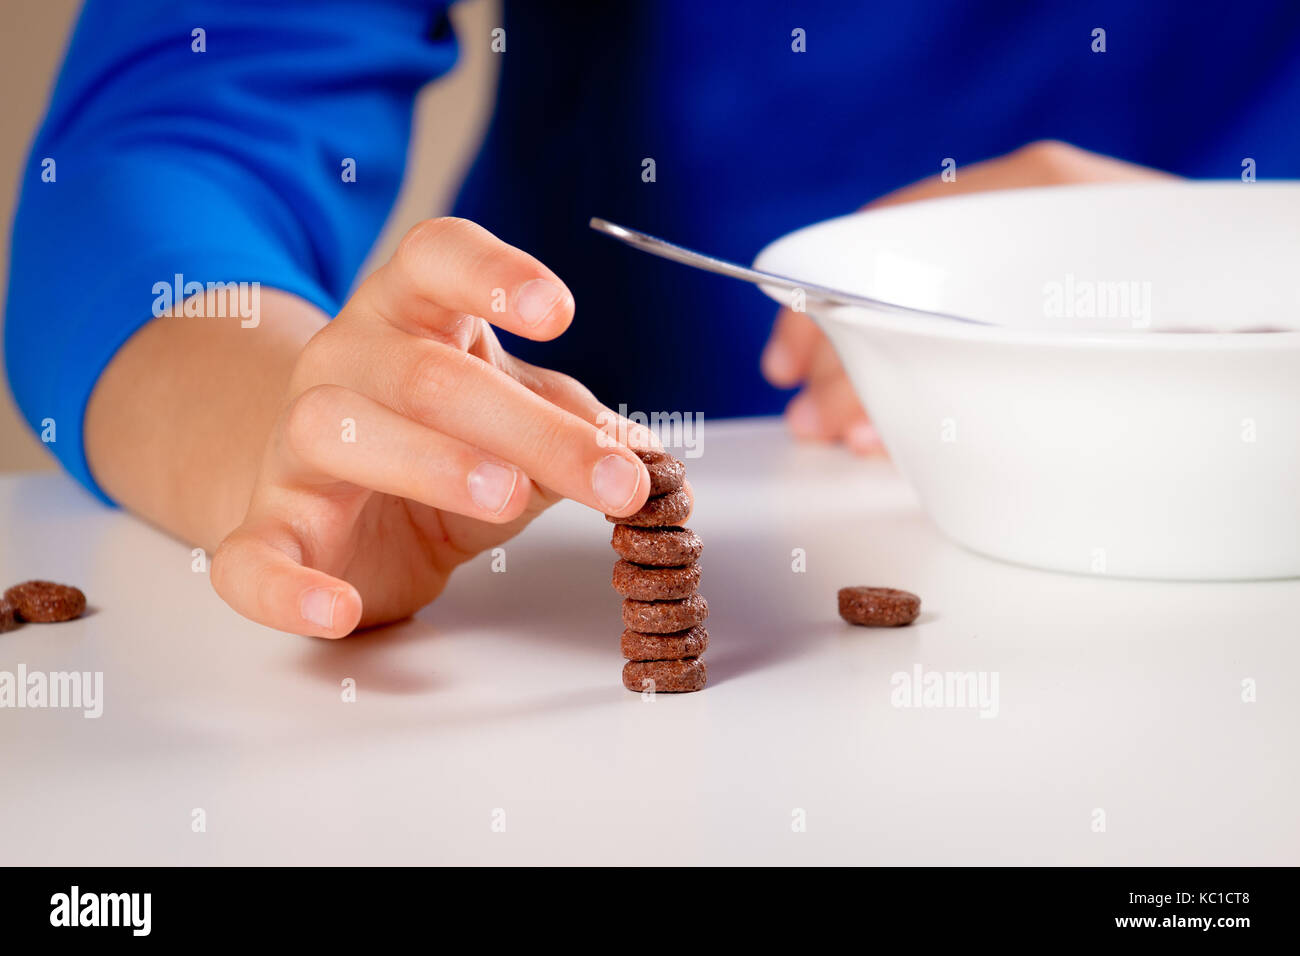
[(689, 257)]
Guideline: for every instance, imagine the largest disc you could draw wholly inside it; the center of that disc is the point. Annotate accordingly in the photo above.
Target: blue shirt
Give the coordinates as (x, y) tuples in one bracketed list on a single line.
[(225, 165)]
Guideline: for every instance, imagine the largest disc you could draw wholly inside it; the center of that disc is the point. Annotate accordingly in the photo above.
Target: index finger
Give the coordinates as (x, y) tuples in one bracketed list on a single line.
[(445, 269)]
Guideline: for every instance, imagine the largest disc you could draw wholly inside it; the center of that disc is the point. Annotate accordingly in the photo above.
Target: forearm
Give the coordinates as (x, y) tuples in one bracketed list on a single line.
[(178, 421), (173, 426)]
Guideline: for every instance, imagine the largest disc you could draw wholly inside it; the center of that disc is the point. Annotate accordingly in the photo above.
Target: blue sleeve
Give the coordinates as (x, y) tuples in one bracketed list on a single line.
[(221, 165)]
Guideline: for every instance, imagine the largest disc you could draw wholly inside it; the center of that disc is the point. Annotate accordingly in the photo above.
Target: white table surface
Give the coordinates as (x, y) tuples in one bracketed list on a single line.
[(1123, 696)]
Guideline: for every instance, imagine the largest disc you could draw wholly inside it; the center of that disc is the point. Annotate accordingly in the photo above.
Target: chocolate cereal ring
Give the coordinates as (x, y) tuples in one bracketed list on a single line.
[(657, 547), (8, 615), (655, 584), (45, 602), (665, 647), (666, 472), (665, 677), (667, 510), (878, 607), (664, 617)]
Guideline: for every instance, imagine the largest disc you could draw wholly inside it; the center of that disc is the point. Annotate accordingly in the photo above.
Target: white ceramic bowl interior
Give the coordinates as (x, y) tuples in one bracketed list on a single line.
[(1120, 416)]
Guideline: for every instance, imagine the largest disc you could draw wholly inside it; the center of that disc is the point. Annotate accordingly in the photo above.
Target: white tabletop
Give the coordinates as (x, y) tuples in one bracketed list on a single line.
[(501, 703)]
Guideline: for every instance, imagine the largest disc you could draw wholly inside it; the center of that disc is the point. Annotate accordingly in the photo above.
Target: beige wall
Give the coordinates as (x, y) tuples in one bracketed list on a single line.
[(450, 118)]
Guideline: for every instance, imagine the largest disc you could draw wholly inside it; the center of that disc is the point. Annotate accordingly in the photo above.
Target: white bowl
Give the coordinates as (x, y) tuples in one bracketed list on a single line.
[(1061, 437)]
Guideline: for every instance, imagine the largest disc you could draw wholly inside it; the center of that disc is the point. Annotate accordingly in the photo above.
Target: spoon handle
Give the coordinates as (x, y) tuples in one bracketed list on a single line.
[(668, 250)]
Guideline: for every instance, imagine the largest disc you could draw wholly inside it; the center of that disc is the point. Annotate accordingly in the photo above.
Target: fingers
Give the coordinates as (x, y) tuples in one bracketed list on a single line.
[(824, 410), (332, 434), (828, 408), (831, 412), (861, 438), (256, 572), (460, 395), (788, 355), (446, 270), (1041, 163), (570, 394)]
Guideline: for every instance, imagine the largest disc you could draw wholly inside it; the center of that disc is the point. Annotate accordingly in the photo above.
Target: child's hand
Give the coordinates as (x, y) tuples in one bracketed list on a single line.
[(827, 408), (409, 441)]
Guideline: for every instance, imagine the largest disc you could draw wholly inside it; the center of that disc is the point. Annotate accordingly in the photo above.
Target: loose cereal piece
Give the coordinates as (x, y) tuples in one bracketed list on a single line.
[(9, 615), (878, 607), (45, 602)]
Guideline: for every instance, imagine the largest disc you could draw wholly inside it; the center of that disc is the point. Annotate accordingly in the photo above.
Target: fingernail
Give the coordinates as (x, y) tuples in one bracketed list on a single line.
[(777, 363), (863, 438), (317, 606), (491, 485), (536, 299), (803, 417), (615, 480)]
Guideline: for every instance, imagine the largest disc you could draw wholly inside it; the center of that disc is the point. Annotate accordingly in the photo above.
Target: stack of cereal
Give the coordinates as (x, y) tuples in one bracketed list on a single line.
[(659, 578)]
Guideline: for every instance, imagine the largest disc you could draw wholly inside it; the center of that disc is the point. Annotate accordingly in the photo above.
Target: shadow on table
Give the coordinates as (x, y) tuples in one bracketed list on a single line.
[(773, 614), (564, 597), (762, 613), (380, 660), (374, 658)]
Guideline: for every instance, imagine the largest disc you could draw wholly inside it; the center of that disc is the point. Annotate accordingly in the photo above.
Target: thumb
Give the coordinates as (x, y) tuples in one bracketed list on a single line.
[(266, 584)]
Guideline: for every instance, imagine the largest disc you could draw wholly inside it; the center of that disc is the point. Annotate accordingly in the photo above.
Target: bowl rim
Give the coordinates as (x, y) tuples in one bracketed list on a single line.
[(928, 323)]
